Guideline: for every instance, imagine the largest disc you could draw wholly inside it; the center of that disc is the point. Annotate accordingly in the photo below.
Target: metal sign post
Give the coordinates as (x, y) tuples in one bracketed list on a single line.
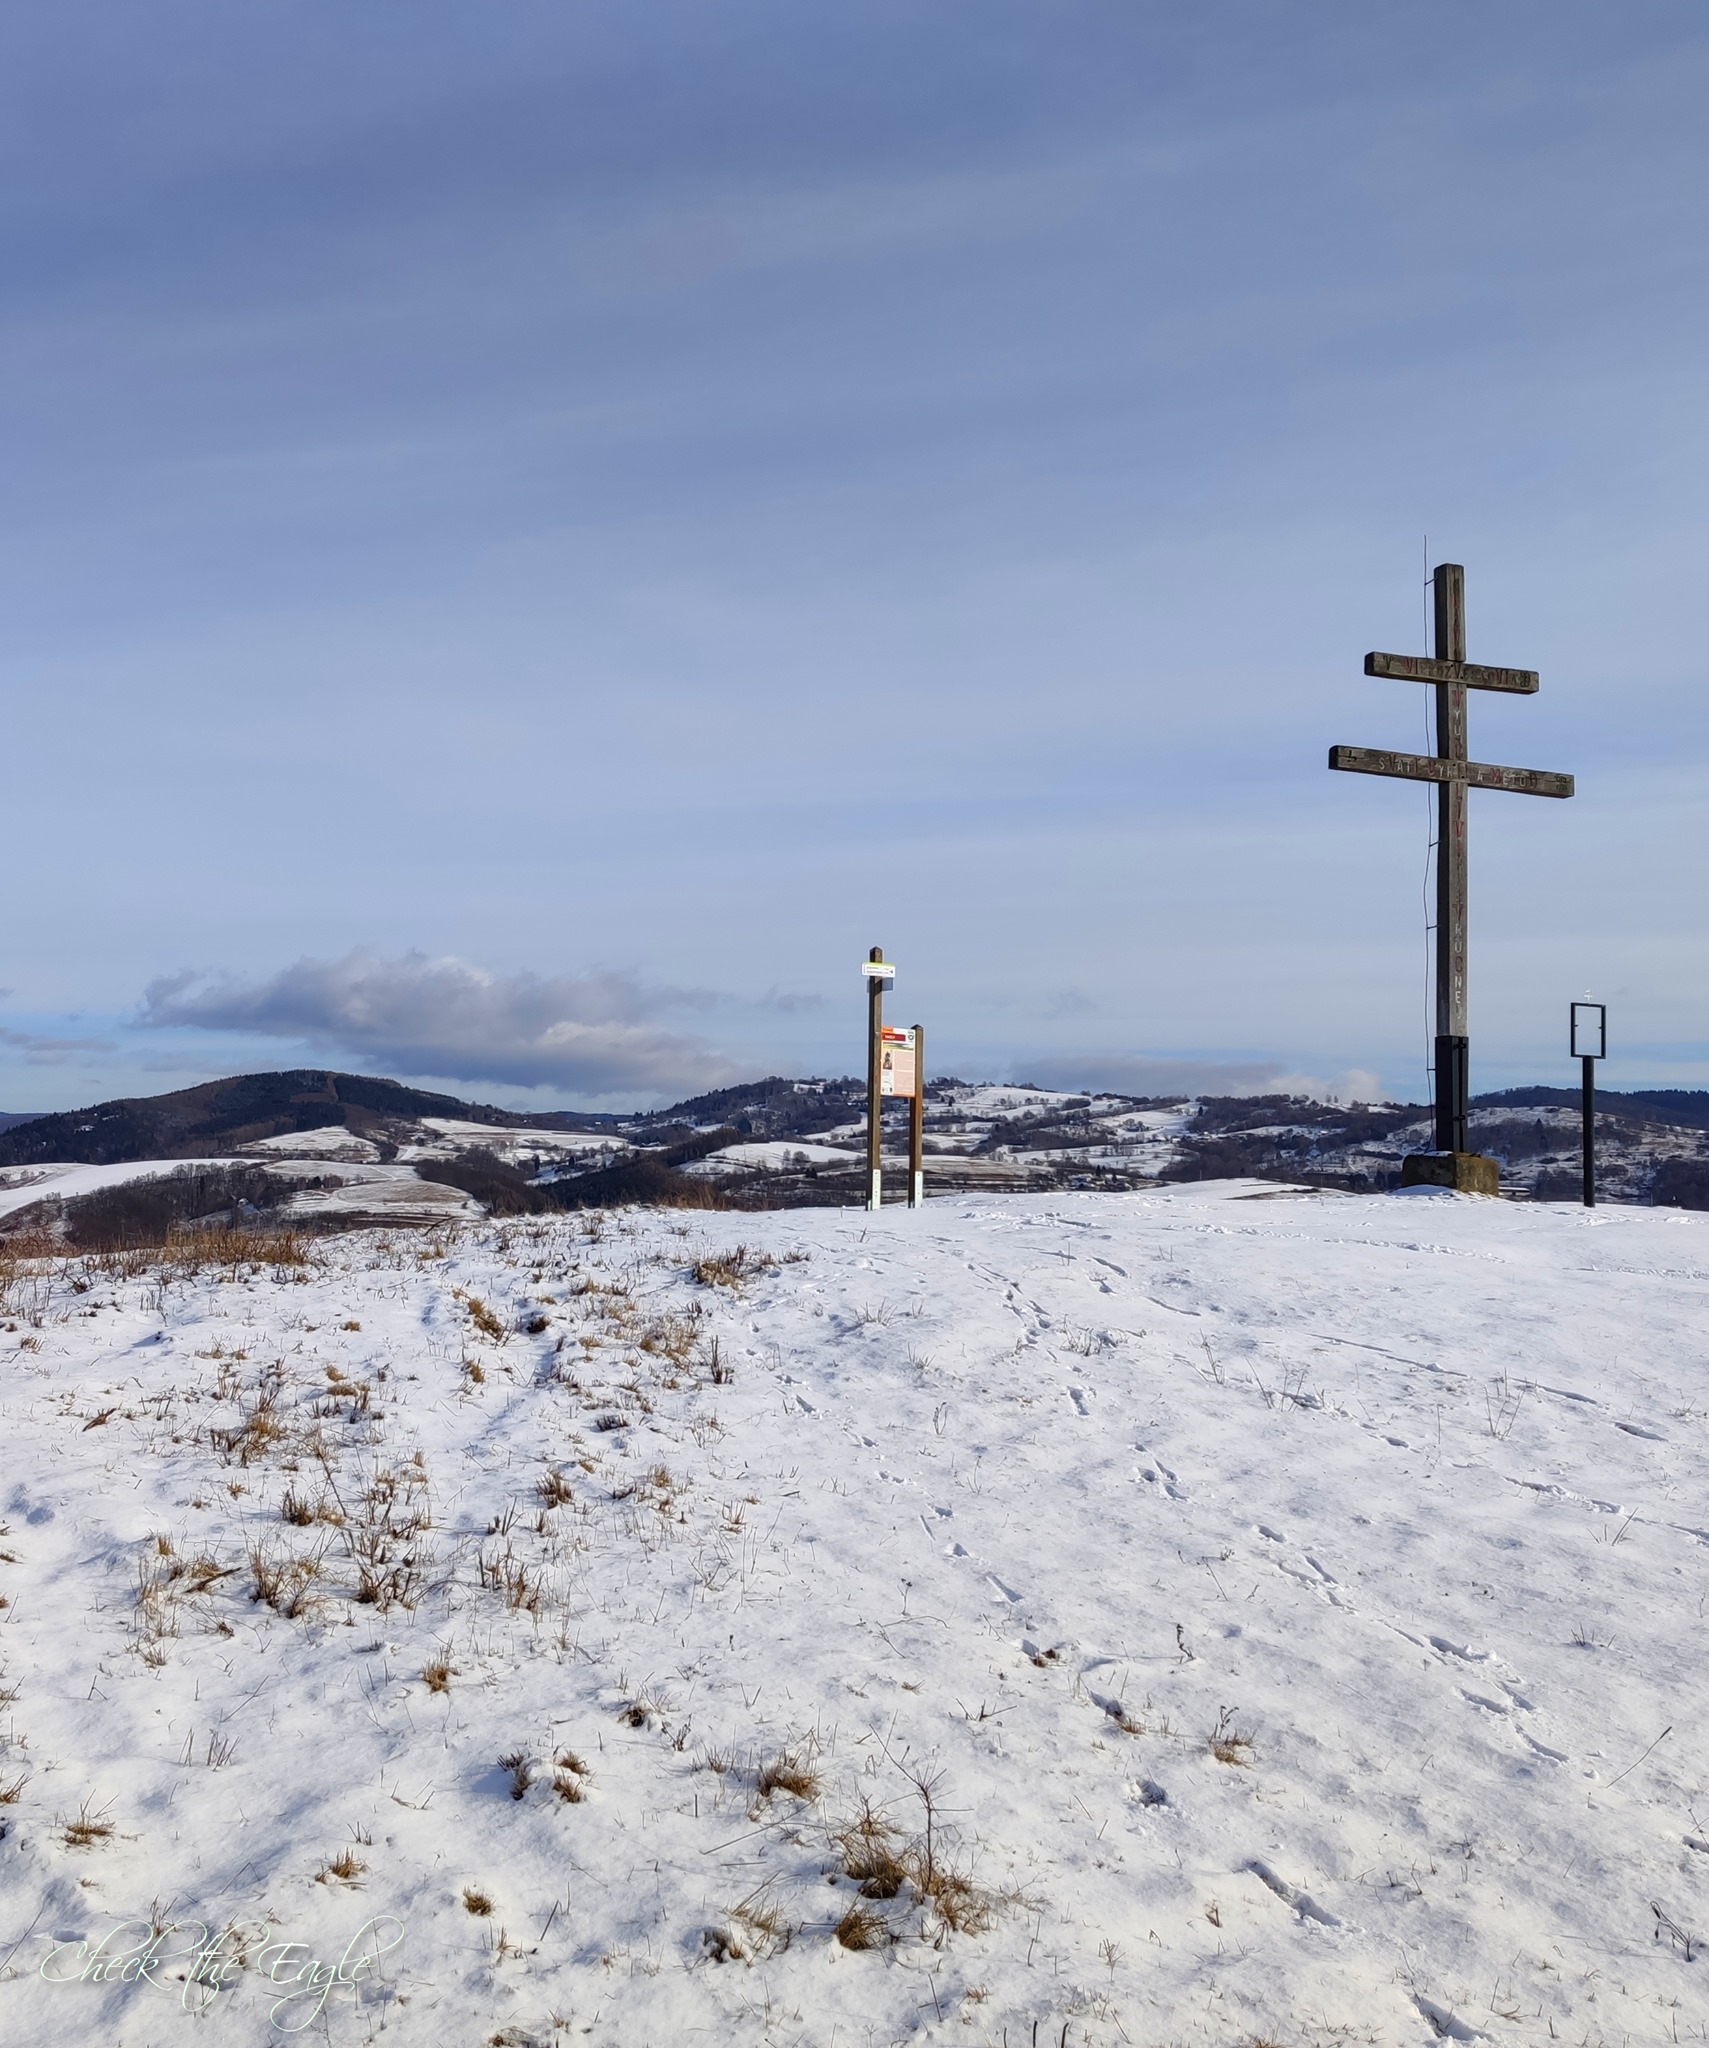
[(917, 1124), (1454, 774), (877, 971), (1588, 1036)]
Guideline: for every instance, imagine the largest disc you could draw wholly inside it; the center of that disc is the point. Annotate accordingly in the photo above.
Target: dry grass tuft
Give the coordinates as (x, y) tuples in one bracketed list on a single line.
[(438, 1675), (789, 1771), (959, 1903), (283, 1582), (87, 1829), (719, 1370), (860, 1927), (648, 1709), (661, 1490), (221, 1245), (262, 1430), (523, 1589), (382, 1538), (345, 1866), (730, 1269), (302, 1513), (569, 1777), (12, 1788), (554, 1489), (1231, 1745), (870, 1849), (754, 1929), (878, 1859), (521, 1772), (481, 1316), (477, 1901)]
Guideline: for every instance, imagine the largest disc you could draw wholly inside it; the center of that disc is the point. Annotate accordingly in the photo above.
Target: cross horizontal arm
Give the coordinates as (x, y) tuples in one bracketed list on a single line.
[(1433, 768), (1471, 675)]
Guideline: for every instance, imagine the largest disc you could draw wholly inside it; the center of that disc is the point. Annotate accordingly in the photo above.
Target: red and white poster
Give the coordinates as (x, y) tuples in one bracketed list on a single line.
[(898, 1063)]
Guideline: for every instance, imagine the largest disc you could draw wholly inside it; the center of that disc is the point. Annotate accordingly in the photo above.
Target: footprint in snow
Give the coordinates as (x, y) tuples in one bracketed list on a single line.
[(1443, 2024), (1318, 1580), (1145, 1792), (1160, 1475), (1550, 1489), (1079, 1396), (1290, 1895), (1478, 1699), (1554, 1756)]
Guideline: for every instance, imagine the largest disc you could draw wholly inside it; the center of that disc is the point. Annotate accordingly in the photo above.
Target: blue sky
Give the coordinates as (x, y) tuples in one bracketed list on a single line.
[(534, 534)]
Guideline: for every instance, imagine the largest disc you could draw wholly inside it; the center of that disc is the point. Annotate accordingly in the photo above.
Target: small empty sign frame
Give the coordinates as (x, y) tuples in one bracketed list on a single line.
[(898, 1063)]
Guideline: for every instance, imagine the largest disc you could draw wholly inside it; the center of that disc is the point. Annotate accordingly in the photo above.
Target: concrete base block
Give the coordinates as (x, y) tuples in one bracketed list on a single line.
[(1467, 1173)]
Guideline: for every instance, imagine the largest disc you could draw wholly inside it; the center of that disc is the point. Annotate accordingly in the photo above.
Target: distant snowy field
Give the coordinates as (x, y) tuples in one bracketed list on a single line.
[(1293, 1609)]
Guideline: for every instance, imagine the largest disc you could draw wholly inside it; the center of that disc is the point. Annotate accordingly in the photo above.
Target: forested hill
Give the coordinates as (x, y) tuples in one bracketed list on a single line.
[(225, 1116)]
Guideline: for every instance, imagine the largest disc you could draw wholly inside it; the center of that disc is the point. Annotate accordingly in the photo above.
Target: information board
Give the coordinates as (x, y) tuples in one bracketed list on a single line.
[(898, 1063)]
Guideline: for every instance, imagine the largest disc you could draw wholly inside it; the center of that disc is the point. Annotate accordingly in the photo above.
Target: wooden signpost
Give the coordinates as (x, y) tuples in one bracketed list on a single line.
[(1451, 1165), (895, 1067)]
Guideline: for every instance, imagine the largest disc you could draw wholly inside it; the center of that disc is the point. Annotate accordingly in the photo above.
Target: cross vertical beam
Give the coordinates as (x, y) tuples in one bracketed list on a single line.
[(1453, 1063)]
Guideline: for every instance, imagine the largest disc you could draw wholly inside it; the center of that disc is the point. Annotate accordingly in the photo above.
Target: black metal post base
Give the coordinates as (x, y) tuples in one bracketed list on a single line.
[(1453, 1070)]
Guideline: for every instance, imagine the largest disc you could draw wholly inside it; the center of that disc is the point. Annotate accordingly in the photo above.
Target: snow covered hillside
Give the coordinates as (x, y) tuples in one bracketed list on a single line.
[(1197, 1615)]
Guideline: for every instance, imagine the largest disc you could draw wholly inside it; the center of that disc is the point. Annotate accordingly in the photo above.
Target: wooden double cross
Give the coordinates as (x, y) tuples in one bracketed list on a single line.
[(1453, 675)]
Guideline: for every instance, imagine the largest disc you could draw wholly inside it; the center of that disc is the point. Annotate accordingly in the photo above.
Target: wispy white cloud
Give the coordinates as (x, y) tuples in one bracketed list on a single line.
[(592, 1035), (1145, 1074), (42, 1051)]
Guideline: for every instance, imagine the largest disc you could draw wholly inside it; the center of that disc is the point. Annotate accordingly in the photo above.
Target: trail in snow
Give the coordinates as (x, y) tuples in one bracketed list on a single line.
[(1282, 1603)]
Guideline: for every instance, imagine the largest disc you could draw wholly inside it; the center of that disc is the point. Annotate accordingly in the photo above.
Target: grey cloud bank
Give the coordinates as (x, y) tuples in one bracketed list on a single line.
[(711, 488), (589, 1037)]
